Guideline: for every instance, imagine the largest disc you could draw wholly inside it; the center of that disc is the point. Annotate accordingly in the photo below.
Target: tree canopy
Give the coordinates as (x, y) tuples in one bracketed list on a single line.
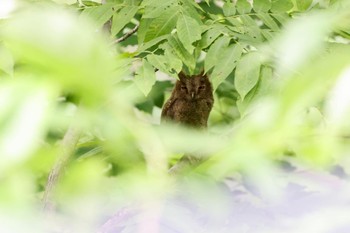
[(82, 84)]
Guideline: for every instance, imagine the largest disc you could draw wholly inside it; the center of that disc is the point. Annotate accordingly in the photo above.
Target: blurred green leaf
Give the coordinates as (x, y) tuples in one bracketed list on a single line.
[(24, 111), (59, 56), (6, 60)]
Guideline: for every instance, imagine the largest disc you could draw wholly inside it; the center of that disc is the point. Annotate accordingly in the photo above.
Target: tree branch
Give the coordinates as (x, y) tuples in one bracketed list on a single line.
[(67, 148), (127, 35)]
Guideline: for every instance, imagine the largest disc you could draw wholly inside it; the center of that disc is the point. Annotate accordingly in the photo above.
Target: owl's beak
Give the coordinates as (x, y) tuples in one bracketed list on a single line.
[(192, 95)]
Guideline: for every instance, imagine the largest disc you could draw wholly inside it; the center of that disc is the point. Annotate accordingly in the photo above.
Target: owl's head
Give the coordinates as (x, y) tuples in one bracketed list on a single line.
[(194, 87)]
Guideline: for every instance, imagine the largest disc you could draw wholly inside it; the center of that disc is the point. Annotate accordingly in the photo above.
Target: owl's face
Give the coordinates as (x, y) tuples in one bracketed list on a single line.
[(194, 87)]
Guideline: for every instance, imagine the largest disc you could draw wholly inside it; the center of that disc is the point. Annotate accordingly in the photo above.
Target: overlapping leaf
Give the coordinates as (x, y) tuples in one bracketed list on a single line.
[(153, 28), (178, 49), (145, 77), (215, 51), (123, 17), (247, 73), (226, 63), (261, 5), (188, 31), (100, 14)]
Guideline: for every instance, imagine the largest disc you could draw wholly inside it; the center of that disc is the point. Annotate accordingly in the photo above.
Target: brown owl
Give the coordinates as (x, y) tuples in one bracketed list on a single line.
[(191, 101), (190, 104)]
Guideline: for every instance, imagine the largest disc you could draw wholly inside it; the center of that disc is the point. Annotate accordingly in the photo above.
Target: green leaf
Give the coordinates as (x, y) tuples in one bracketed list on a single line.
[(188, 31), (265, 79), (281, 5), (123, 17), (262, 88), (145, 78), (251, 28), (243, 7), (210, 36), (226, 64), (215, 51), (153, 28), (155, 8), (268, 21), (248, 21), (268, 34), (282, 18), (158, 62), (189, 8), (178, 49), (174, 62), (261, 5), (229, 9), (303, 5), (143, 29), (130, 2), (247, 73), (151, 43), (99, 14)]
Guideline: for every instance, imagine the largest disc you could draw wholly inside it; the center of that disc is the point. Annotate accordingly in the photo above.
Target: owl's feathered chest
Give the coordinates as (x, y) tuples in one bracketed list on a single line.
[(190, 112)]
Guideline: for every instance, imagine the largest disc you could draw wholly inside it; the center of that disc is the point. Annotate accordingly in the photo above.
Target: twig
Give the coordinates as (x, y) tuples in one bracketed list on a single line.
[(68, 144), (127, 35)]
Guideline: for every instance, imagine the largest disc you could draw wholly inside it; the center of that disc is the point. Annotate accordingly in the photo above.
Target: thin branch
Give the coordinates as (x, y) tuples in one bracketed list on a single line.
[(127, 35), (67, 148)]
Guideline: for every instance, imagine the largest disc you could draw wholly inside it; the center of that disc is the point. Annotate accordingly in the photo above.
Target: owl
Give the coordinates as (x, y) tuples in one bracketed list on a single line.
[(191, 101), (189, 104)]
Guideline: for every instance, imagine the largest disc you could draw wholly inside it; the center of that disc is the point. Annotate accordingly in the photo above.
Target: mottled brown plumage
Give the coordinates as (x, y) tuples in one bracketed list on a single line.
[(191, 101), (190, 104)]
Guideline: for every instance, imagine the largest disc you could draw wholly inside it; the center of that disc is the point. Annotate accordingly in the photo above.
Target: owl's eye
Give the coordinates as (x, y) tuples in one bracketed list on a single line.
[(201, 87), (183, 88)]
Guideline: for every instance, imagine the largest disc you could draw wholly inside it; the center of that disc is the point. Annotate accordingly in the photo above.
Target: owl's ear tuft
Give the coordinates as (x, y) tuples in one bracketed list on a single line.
[(202, 73), (182, 76)]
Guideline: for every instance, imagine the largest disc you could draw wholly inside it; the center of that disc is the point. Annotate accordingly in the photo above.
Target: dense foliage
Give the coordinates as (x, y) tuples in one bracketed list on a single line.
[(97, 75)]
